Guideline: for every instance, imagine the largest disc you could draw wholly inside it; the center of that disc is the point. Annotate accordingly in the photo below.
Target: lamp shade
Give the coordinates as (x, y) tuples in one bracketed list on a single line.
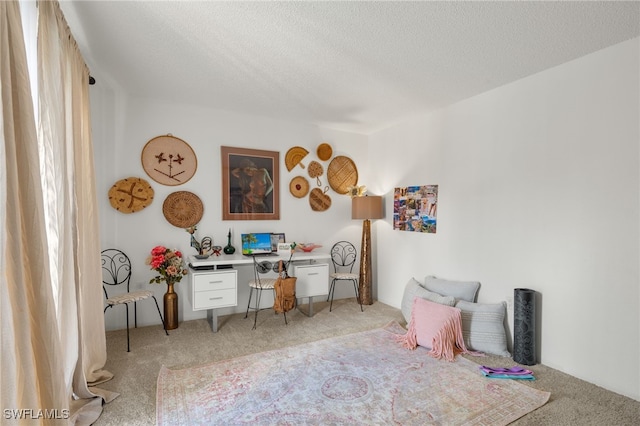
[(367, 207)]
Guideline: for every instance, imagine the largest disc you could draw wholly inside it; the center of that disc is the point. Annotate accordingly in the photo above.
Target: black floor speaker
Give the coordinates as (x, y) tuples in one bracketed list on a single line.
[(524, 326)]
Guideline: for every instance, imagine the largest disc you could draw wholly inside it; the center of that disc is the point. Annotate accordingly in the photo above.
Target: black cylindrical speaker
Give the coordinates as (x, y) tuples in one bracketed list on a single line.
[(524, 326)]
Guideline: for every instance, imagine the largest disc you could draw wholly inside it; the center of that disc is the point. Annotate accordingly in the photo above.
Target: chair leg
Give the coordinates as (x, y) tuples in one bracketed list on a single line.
[(249, 303), (331, 292), (126, 306), (355, 287), (135, 314), (164, 325), (255, 318)]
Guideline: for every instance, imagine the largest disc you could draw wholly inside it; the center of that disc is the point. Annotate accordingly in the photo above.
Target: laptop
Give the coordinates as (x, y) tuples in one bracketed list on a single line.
[(257, 244)]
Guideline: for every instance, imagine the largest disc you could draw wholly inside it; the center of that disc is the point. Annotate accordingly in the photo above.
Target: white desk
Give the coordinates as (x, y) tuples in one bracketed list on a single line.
[(214, 281)]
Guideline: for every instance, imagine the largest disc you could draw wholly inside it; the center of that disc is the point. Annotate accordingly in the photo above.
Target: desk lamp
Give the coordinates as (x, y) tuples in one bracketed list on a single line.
[(367, 208)]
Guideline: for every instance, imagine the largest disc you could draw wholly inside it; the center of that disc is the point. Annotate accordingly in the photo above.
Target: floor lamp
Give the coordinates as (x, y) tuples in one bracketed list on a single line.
[(367, 208)]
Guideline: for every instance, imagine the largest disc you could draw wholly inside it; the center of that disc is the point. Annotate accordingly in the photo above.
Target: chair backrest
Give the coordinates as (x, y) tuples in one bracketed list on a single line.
[(116, 268), (261, 267), (343, 256)]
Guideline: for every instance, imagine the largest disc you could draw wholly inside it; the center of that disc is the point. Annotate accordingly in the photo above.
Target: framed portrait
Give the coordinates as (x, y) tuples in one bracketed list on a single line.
[(250, 184)]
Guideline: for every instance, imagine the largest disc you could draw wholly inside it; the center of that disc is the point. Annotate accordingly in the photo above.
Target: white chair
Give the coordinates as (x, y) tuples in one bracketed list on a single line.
[(116, 270), (343, 257)]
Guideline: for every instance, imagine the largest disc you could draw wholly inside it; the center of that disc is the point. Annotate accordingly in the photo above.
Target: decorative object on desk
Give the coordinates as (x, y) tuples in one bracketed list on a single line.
[(308, 247), (277, 238), (315, 171), (229, 249), (250, 184), (130, 195), (216, 250), (415, 208), (169, 160), (342, 173), (324, 151), (357, 191), (294, 156), (319, 200), (299, 187), (203, 247), (367, 208), (170, 268), (183, 209)]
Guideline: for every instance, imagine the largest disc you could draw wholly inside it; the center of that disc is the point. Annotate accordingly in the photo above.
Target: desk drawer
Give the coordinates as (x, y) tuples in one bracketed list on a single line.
[(214, 281), (214, 299)]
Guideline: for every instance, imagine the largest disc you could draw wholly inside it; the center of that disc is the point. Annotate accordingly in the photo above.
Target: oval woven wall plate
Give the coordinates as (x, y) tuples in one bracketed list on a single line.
[(342, 173)]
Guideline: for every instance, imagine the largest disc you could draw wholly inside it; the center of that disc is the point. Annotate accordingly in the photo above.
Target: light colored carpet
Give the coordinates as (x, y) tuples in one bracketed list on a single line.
[(365, 378), (572, 401)]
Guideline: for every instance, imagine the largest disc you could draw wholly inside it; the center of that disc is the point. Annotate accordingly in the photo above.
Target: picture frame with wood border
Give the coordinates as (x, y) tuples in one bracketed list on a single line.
[(250, 184)]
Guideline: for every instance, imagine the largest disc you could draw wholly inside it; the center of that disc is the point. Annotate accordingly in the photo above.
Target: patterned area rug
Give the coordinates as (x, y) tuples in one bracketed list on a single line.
[(362, 378)]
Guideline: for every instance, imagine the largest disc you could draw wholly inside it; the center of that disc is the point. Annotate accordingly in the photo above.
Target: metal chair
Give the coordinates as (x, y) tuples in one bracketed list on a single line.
[(258, 284), (343, 257), (116, 270)]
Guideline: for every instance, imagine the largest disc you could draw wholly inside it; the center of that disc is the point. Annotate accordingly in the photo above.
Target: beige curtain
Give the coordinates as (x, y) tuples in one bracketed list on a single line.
[(69, 192), (30, 373), (53, 342)]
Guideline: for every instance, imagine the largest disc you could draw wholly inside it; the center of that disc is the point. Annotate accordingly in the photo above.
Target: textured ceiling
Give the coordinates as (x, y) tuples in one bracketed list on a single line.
[(355, 66)]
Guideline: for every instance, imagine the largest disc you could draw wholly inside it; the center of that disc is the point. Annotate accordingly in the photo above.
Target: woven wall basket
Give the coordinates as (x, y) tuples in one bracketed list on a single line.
[(183, 209), (342, 173)]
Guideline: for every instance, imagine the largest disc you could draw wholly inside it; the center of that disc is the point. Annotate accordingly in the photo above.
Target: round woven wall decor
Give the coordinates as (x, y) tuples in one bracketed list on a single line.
[(169, 160), (130, 195), (183, 209), (299, 186), (324, 151), (342, 173)]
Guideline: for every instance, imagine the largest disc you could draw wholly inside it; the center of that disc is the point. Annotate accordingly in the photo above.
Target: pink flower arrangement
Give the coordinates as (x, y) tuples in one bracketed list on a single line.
[(168, 263)]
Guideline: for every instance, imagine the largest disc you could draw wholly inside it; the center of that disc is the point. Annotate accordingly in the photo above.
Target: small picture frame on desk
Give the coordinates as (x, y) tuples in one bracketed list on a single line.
[(277, 238), (284, 247)]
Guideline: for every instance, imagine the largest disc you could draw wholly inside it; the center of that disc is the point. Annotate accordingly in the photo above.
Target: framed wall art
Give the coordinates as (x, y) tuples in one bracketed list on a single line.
[(250, 184), (415, 209)]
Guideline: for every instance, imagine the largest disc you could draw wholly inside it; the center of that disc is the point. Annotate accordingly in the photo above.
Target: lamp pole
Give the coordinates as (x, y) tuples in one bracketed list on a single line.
[(364, 282)]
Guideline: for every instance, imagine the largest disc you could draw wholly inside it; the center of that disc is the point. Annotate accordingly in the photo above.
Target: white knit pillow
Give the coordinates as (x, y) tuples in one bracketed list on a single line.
[(483, 327), (415, 289)]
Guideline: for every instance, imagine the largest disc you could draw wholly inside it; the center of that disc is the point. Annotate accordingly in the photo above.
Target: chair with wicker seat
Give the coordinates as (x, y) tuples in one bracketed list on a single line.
[(116, 270), (343, 257), (258, 284)]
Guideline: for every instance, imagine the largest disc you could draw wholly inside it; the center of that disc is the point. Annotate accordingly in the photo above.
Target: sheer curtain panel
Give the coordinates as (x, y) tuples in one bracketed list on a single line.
[(72, 219)]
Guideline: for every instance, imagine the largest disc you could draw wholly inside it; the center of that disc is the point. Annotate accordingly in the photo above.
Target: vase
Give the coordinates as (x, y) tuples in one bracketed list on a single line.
[(229, 249), (170, 308)]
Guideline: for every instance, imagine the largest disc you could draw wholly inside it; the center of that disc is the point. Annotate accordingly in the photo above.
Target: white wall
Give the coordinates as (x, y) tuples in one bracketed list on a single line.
[(121, 128), (538, 188)]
